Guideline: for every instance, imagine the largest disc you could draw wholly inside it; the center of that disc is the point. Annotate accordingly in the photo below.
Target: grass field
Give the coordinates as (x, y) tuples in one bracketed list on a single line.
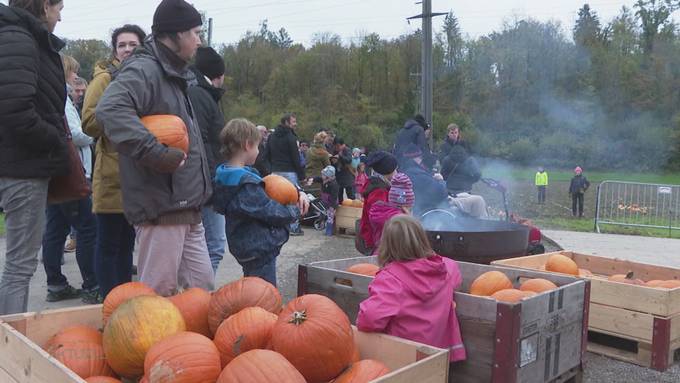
[(2, 224), (527, 174)]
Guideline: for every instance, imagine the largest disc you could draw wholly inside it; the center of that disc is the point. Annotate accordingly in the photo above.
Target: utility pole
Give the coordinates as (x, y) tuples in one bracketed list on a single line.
[(426, 61), (210, 31)]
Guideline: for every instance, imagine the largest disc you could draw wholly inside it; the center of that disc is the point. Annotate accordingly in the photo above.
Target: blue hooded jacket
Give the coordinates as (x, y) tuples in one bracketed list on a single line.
[(257, 226)]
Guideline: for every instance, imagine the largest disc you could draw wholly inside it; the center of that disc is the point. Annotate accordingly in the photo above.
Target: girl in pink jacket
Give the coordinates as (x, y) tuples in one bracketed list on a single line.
[(412, 295)]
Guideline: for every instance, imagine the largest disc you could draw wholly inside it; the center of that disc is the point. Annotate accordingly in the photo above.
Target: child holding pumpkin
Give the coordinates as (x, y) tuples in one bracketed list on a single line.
[(257, 226), (412, 295)]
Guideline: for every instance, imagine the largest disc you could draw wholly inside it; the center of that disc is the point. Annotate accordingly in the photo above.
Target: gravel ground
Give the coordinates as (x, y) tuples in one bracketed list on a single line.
[(315, 247)]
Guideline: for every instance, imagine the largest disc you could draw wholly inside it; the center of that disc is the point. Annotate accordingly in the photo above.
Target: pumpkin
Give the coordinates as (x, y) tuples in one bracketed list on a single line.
[(144, 379), (102, 379), (169, 130), (363, 372), (490, 282), (356, 354), (315, 335), (260, 366), (186, 357), (235, 296), (80, 349), (122, 293), (511, 295), (626, 278), (357, 203), (364, 269), (249, 329), (537, 285), (561, 264), (280, 189), (347, 202), (655, 283), (193, 304), (583, 273), (134, 327), (670, 284)]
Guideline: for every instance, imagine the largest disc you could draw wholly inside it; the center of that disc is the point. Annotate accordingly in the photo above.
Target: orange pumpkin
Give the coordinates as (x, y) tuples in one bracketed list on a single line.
[(670, 284), (280, 189), (122, 293), (655, 283), (186, 357), (363, 372), (511, 295), (235, 296), (249, 329), (314, 317), (626, 278), (537, 285), (102, 379), (490, 282), (583, 273), (364, 269), (561, 264), (347, 202), (169, 130), (260, 366), (134, 327), (144, 379), (193, 304), (357, 203), (80, 349)]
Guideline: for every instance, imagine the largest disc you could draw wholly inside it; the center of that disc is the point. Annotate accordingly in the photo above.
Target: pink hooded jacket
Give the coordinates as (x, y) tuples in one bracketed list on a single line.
[(414, 300), (378, 216)]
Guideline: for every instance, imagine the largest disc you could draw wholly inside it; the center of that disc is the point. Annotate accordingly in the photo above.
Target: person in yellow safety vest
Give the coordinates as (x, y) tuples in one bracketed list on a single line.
[(541, 184)]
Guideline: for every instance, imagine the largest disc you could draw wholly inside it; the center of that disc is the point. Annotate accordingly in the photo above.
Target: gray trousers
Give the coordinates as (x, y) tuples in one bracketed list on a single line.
[(24, 202)]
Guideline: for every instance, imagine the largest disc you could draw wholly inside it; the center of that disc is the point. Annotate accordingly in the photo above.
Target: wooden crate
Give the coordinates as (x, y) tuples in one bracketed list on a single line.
[(632, 323), (346, 218), (540, 339), (22, 360)]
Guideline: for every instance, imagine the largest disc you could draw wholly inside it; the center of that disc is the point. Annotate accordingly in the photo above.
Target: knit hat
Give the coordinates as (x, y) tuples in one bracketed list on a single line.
[(578, 170), (421, 121), (175, 16), (209, 62), (412, 151), (382, 162), (328, 171), (401, 191)]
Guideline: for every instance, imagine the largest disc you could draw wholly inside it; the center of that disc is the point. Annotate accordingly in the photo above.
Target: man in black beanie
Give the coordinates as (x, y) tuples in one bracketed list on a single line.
[(205, 94), (163, 187), (415, 131)]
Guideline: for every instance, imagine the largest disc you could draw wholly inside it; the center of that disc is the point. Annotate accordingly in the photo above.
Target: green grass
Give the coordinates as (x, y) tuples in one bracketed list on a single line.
[(588, 225), (527, 174), (2, 224)]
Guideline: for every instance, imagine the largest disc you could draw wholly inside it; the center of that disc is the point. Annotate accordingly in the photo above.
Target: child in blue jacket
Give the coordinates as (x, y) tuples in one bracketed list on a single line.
[(257, 226)]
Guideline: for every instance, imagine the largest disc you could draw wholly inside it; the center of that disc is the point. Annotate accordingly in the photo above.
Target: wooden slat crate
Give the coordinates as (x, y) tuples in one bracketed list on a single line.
[(22, 360), (632, 323), (346, 218), (540, 339)]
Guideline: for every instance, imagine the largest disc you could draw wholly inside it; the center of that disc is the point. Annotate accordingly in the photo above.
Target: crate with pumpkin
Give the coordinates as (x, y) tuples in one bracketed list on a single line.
[(517, 325), (634, 307), (239, 333)]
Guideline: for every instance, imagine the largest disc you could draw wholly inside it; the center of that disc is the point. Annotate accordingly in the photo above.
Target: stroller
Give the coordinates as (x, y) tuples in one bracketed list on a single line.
[(317, 214)]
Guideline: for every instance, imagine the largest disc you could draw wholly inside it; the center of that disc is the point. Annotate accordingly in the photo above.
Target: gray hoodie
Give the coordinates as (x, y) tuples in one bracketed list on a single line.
[(148, 84)]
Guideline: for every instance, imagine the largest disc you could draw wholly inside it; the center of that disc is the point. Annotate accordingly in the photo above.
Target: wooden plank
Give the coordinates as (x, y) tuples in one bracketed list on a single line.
[(675, 329), (39, 330), (632, 297), (620, 322), (479, 339), (615, 353)]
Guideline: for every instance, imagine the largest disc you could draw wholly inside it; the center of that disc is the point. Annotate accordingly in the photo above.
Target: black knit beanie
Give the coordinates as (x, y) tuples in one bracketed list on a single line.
[(209, 62), (382, 162), (175, 16)]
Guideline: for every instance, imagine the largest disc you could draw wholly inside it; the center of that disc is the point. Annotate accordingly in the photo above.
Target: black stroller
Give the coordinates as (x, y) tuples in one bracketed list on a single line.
[(317, 214)]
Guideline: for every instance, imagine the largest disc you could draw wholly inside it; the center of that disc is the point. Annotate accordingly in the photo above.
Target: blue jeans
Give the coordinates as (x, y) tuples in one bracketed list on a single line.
[(215, 235), (60, 218), (113, 254), (292, 177), (266, 271), (23, 201)]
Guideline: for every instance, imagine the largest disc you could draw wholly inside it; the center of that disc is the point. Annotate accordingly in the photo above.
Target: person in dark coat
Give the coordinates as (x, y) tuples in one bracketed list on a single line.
[(257, 226), (414, 132), (205, 96), (344, 171), (577, 190), (460, 171), (430, 191), (261, 163), (33, 144), (283, 156), (453, 139)]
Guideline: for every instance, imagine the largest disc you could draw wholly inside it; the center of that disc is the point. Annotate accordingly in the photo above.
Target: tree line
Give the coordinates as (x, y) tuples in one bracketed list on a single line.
[(603, 95)]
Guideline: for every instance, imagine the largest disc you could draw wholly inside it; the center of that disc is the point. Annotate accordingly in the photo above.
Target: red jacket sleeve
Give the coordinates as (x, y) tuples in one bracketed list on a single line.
[(365, 229), (382, 304)]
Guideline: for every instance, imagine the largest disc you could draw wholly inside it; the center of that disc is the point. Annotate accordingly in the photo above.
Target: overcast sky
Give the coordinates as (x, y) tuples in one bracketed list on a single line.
[(304, 18)]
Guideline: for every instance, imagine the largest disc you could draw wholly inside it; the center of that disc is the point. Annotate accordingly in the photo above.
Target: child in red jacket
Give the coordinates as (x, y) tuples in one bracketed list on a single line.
[(384, 166), (412, 295)]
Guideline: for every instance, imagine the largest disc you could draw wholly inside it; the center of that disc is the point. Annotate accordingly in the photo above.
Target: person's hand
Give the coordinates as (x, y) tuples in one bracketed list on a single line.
[(303, 204), (438, 177), (172, 159), (310, 181)]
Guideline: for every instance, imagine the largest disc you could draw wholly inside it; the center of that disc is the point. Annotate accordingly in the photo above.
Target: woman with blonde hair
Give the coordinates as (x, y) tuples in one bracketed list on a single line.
[(317, 158)]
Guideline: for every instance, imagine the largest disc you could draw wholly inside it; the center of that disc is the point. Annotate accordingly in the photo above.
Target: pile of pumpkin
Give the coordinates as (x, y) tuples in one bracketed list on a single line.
[(497, 285), (352, 203), (240, 334), (562, 264)]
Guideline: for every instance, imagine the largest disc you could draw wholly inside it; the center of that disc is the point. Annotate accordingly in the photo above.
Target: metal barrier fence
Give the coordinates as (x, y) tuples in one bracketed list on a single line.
[(638, 204)]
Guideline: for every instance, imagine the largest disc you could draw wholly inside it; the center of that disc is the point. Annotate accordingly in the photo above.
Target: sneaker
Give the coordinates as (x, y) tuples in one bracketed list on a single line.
[(68, 292), (91, 296), (70, 245), (297, 233)]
